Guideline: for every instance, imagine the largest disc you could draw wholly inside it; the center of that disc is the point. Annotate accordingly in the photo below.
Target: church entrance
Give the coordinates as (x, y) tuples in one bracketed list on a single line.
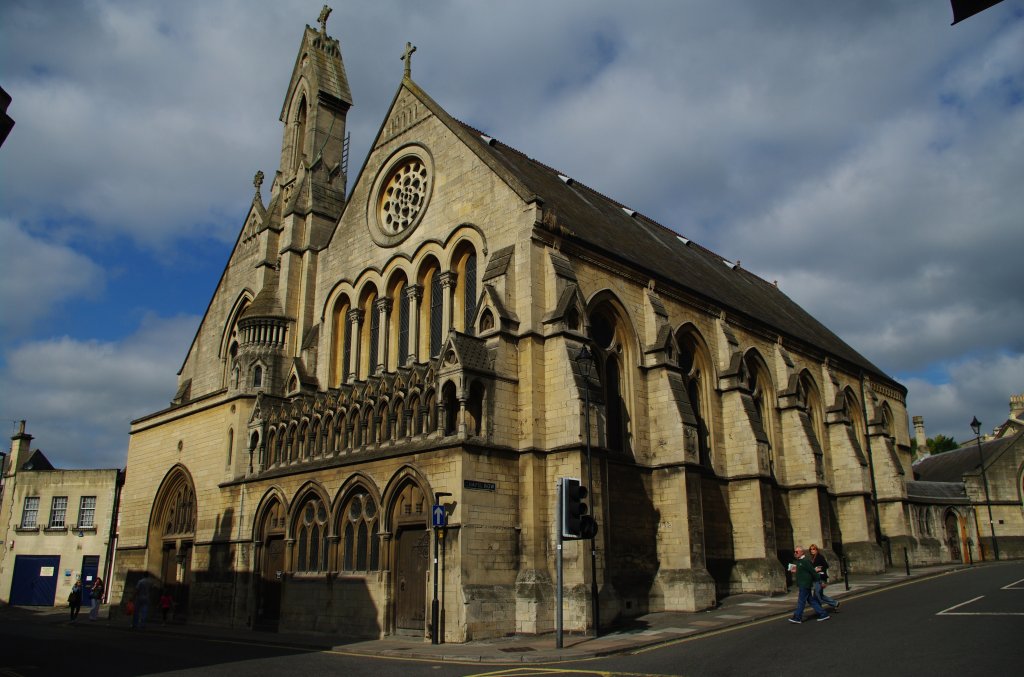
[(174, 528), (268, 603), (176, 572), (410, 552), (270, 565), (411, 580)]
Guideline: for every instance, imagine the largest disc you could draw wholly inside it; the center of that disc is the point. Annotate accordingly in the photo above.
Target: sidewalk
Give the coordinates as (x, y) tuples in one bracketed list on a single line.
[(636, 633)]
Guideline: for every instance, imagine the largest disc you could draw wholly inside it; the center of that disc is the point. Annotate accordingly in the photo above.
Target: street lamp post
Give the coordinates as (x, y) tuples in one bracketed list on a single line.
[(976, 427), (585, 361)]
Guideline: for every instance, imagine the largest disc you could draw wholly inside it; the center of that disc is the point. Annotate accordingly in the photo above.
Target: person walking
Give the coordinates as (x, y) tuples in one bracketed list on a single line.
[(96, 594), (166, 601), (142, 592), (821, 567), (805, 576), (75, 599)]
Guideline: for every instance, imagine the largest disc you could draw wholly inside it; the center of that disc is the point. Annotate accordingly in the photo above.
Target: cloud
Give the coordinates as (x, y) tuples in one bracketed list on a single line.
[(38, 275), (973, 387), (79, 396)]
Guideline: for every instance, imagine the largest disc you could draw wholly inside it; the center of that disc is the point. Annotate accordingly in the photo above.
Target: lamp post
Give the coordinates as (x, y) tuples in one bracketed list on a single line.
[(976, 427), (585, 362)]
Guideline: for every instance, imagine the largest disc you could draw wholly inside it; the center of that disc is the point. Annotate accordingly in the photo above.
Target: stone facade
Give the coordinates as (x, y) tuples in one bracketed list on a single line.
[(367, 351), (60, 521), (951, 498)]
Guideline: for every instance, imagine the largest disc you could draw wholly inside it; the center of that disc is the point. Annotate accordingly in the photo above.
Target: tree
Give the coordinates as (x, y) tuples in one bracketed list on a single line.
[(940, 443), (936, 445)]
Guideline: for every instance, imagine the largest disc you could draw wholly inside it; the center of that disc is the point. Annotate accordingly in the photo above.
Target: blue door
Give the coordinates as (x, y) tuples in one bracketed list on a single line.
[(90, 567), (35, 580)]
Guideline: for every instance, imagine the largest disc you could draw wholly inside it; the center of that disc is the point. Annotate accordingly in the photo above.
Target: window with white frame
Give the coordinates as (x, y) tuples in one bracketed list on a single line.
[(58, 512), (87, 512), (30, 512)]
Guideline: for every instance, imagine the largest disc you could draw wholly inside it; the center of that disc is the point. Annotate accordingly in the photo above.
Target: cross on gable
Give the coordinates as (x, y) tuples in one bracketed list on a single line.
[(407, 58), (324, 13)]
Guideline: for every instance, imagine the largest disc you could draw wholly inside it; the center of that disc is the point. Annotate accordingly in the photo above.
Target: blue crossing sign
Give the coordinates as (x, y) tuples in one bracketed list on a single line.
[(440, 517)]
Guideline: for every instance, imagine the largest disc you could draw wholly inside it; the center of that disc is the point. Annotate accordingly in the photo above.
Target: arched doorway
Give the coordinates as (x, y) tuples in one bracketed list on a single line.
[(270, 563), (953, 536), (174, 528), (409, 514)]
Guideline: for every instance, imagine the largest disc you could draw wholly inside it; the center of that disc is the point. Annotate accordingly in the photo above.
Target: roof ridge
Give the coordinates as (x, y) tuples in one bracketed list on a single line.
[(613, 201)]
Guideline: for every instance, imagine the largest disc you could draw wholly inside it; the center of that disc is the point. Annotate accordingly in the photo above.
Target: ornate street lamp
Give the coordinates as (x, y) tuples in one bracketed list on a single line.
[(585, 362), (976, 427)]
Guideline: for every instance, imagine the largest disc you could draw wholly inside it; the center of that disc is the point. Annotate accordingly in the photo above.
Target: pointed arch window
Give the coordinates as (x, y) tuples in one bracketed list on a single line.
[(360, 544), (311, 541), (347, 349), (436, 311), (468, 277), (403, 329), (299, 152), (257, 376), (374, 339)]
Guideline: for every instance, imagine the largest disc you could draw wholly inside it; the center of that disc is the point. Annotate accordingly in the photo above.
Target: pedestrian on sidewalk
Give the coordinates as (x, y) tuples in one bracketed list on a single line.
[(805, 576), (75, 599), (165, 604), (821, 567), (96, 595), (143, 589)]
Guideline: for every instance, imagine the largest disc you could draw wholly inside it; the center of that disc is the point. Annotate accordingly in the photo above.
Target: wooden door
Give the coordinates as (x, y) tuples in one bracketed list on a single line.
[(411, 579), (269, 604)]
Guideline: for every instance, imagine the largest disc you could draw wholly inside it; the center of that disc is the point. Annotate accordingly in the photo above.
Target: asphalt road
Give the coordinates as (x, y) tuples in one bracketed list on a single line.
[(969, 622)]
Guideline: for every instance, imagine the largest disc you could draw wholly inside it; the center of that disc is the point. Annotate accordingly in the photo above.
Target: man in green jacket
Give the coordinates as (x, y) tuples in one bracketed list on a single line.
[(805, 575)]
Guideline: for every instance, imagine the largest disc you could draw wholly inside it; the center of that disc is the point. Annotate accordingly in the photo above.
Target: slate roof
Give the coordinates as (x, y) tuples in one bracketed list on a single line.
[(951, 466), (37, 461), (937, 492), (644, 244)]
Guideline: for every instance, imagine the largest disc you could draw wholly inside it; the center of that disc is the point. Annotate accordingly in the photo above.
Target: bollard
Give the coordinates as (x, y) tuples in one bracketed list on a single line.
[(846, 572), (906, 560)]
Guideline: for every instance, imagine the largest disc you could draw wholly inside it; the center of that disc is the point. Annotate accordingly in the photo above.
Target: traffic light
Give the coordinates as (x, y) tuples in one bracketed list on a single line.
[(576, 523)]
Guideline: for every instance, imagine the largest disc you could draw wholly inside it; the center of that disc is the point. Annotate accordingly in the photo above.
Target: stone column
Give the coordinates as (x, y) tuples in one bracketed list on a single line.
[(383, 307), (355, 322), (448, 281), (413, 296)]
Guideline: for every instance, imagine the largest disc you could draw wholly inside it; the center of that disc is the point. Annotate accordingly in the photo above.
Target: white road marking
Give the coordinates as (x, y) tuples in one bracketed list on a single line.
[(950, 612)]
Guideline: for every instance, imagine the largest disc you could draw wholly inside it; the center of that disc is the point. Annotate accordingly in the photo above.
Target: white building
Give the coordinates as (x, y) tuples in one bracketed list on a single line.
[(57, 526)]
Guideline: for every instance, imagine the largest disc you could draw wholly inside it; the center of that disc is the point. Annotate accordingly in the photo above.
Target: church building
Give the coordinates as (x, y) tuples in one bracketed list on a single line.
[(464, 326)]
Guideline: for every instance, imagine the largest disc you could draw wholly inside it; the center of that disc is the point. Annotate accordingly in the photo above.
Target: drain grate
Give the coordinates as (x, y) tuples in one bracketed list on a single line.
[(518, 649)]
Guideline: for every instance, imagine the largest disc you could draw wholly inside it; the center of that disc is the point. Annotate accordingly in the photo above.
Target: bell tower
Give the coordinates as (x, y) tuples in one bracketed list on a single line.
[(307, 198), (314, 110)]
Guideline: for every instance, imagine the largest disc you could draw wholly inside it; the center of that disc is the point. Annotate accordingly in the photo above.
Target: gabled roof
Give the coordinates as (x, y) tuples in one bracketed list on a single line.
[(37, 461), (598, 222), (624, 234), (951, 466)]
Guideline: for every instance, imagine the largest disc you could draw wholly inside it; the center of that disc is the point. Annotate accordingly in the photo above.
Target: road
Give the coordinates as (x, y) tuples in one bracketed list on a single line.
[(967, 622)]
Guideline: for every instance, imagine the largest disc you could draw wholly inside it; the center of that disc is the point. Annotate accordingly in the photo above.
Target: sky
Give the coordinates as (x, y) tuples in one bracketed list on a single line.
[(868, 156)]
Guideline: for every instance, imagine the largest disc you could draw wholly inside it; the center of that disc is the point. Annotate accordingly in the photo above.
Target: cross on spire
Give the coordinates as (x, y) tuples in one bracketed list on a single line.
[(407, 58), (324, 13)]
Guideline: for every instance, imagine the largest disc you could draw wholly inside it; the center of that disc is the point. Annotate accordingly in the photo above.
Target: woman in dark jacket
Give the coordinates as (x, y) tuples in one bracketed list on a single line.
[(821, 566)]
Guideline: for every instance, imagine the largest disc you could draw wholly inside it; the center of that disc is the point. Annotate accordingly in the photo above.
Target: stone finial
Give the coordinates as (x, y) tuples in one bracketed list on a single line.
[(407, 58), (257, 180), (324, 13)]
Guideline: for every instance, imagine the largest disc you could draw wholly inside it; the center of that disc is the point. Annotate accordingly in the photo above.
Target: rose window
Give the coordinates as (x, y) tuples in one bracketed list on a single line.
[(404, 196)]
